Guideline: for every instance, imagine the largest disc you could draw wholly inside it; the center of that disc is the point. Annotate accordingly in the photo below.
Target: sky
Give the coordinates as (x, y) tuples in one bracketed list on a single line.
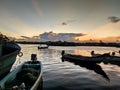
[(95, 18)]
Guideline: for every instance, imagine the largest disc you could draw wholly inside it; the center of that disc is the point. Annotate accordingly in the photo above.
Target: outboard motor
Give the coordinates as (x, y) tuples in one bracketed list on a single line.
[(92, 53), (34, 57), (113, 53), (38, 47), (63, 52)]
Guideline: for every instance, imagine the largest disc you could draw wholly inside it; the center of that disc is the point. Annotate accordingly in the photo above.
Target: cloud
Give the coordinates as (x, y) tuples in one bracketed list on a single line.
[(64, 23), (18, 27), (114, 19), (51, 36), (37, 7), (82, 34), (68, 22), (25, 37)]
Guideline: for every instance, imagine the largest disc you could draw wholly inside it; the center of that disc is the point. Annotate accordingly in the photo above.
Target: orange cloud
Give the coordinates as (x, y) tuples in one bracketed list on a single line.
[(108, 30)]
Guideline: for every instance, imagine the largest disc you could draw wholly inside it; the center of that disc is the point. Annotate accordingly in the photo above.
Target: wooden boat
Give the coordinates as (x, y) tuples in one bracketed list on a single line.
[(26, 76), (43, 47), (112, 59), (80, 58), (7, 57)]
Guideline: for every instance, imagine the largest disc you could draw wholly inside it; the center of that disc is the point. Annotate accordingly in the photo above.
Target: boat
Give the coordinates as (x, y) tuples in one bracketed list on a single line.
[(26, 76), (43, 46), (8, 54), (84, 59), (112, 59)]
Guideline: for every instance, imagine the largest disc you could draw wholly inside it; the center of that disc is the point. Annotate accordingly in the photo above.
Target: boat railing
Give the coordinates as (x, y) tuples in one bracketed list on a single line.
[(12, 45), (29, 66)]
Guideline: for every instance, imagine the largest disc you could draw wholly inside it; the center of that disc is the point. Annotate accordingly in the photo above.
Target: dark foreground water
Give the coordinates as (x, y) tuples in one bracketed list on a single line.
[(58, 75)]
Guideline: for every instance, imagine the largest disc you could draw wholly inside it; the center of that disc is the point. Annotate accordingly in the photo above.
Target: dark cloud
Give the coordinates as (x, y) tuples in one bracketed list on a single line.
[(82, 34), (114, 19), (68, 22), (25, 37), (64, 23)]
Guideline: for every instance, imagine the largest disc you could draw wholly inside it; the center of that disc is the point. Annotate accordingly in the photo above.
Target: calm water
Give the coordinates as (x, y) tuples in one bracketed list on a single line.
[(58, 75)]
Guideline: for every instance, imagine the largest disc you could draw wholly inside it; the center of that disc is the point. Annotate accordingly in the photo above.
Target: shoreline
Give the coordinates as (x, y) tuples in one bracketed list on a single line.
[(59, 43)]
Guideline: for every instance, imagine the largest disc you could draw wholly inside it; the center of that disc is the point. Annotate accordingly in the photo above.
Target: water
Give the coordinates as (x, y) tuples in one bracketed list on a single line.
[(58, 75)]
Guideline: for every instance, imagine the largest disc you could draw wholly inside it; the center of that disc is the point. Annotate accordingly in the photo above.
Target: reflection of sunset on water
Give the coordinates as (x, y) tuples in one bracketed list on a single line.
[(86, 51), (81, 52), (94, 19)]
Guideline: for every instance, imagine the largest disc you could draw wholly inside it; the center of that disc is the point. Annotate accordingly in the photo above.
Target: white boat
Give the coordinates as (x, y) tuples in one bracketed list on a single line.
[(43, 46)]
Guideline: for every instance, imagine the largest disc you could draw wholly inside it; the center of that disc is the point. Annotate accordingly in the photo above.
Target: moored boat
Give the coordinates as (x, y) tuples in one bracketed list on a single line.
[(43, 46), (112, 59), (80, 58), (26, 76), (8, 57), (8, 53)]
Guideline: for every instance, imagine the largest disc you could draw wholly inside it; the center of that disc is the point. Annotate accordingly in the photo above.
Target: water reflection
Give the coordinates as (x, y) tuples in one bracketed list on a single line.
[(90, 66), (67, 76)]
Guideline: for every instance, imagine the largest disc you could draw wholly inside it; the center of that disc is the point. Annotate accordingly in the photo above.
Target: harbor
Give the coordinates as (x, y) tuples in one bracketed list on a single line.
[(58, 75), (59, 45)]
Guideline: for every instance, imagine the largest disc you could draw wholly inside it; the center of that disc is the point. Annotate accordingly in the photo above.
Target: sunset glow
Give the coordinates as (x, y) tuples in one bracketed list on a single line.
[(97, 19)]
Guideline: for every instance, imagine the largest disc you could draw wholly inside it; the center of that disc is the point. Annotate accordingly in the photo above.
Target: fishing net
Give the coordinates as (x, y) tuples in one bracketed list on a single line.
[(28, 76)]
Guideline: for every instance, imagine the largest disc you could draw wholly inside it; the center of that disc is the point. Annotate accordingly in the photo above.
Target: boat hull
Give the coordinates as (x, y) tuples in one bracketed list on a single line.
[(112, 59), (9, 54), (42, 47), (13, 74), (82, 59)]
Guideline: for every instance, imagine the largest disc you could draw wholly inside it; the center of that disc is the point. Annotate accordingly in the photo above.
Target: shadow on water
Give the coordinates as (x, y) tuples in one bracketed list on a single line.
[(90, 66)]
